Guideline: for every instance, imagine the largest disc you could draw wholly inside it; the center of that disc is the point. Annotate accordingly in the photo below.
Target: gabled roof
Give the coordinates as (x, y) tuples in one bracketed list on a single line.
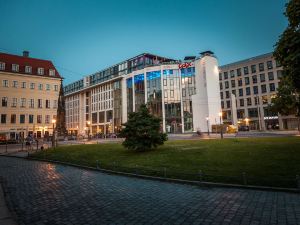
[(22, 61)]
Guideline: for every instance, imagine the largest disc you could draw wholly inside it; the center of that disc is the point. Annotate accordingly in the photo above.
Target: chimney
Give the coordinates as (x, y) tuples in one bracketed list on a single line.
[(26, 54)]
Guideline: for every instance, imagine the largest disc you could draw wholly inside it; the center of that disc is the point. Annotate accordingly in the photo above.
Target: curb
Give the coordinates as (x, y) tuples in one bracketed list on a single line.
[(170, 180)]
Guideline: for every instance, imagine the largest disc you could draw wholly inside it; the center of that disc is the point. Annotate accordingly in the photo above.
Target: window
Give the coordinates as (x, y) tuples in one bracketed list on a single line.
[(240, 82), (264, 99), (248, 91), (4, 101), (221, 95), (52, 72), (48, 87), (14, 102), (40, 71), (262, 77), (233, 83), (172, 94), (253, 112), (246, 70), (254, 79), (30, 118), (225, 75), (222, 104), (13, 118), (241, 92), (228, 104), (261, 67), (231, 73), (31, 103), (55, 104), (247, 81), (242, 102), (220, 76), (249, 102), (271, 76), (272, 87), (239, 72), (47, 119), (279, 74), (23, 102), (22, 118), (15, 84), (32, 85), (226, 84), (2, 66), (233, 92), (5, 83), (40, 87), (263, 88), (28, 69), (39, 119), (55, 87), (255, 90), (48, 104), (227, 94), (23, 85), (3, 118), (40, 103), (270, 65), (256, 100), (253, 68), (164, 82), (240, 113), (15, 67), (221, 86)]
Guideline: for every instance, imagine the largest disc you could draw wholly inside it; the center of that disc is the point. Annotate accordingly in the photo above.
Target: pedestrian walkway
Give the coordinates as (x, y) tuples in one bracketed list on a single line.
[(5, 215), (44, 193)]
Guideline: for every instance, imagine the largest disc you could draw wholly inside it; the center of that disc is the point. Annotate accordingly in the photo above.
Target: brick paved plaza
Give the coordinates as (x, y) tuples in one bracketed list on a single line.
[(46, 193)]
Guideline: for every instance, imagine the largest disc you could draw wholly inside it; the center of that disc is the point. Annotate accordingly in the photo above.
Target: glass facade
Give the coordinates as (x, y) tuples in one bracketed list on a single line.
[(154, 92), (129, 91), (139, 90), (117, 106)]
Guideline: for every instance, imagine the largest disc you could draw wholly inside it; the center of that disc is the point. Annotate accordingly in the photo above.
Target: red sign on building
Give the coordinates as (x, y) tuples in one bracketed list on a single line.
[(184, 65)]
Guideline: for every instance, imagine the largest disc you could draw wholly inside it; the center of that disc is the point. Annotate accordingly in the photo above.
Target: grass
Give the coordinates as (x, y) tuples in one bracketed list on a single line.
[(266, 161)]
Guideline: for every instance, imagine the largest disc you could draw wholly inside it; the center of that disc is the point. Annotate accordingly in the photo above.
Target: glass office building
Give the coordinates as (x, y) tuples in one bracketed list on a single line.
[(183, 93)]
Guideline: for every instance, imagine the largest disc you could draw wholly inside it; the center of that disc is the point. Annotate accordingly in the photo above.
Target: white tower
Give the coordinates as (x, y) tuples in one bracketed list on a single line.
[(206, 102)]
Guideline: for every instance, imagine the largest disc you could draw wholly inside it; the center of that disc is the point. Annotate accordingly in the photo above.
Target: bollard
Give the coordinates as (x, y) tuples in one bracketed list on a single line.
[(244, 178), (165, 172), (200, 176), (298, 181)]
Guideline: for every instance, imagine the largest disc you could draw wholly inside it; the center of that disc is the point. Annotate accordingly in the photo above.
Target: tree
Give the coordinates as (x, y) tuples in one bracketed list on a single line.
[(287, 53), (142, 131)]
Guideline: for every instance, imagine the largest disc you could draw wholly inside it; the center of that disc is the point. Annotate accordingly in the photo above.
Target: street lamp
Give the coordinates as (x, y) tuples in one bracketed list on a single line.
[(88, 123), (53, 132), (207, 121), (221, 127)]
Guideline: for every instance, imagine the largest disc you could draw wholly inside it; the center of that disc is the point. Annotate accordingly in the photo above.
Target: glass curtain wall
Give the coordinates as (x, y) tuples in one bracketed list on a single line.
[(154, 93), (139, 89), (188, 89), (129, 90), (117, 106), (172, 101)]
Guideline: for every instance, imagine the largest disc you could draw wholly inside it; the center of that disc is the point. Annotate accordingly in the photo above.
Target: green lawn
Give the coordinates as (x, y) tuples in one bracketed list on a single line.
[(266, 161)]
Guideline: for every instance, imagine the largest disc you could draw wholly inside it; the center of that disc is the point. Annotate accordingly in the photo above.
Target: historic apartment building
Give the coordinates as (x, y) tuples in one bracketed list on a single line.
[(29, 90), (247, 88), (184, 94)]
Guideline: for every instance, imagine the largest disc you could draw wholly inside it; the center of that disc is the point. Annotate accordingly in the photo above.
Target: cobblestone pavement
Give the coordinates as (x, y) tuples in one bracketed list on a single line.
[(46, 193)]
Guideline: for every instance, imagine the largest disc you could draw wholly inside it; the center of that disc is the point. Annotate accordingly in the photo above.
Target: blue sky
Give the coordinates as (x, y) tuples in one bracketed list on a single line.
[(82, 37)]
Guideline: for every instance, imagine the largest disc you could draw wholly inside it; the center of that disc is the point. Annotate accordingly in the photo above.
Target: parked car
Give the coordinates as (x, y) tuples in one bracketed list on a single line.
[(244, 128)]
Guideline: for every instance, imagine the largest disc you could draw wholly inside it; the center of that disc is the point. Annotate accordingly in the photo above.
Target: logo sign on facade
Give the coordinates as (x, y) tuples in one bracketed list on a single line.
[(185, 65)]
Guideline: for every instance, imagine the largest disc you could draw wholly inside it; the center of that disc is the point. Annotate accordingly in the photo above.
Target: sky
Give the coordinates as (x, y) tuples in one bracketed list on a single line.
[(82, 37)]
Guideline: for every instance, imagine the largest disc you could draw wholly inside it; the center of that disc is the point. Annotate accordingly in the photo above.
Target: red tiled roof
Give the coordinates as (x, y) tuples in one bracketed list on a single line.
[(22, 61)]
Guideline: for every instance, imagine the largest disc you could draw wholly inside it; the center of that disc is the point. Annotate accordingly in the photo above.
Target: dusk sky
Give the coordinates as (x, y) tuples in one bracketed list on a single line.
[(83, 37)]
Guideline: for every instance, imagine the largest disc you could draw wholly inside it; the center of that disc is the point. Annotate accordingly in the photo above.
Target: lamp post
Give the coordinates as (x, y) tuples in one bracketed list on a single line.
[(207, 122), (53, 132), (88, 123), (221, 127)]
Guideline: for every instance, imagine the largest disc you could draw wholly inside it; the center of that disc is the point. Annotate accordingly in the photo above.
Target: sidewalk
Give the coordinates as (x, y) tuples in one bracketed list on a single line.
[(5, 215)]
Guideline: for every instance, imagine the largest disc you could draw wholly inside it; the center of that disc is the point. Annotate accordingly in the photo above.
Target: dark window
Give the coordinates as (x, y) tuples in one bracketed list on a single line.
[(263, 88), (227, 94), (242, 102), (3, 118), (240, 113), (248, 91), (225, 75), (253, 112), (101, 117), (241, 92), (271, 76), (30, 118), (255, 90), (48, 104), (40, 103), (261, 67), (270, 65), (246, 70), (226, 84), (240, 82), (254, 79), (239, 72), (228, 104), (247, 81), (231, 73), (262, 77), (249, 102), (233, 83), (279, 74), (39, 119), (221, 86), (94, 118), (220, 76), (222, 104), (272, 87), (4, 101), (22, 118), (221, 95), (253, 68), (13, 118)]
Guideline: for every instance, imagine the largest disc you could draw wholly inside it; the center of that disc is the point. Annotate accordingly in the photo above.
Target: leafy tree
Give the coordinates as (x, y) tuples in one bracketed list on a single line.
[(287, 53), (142, 131)]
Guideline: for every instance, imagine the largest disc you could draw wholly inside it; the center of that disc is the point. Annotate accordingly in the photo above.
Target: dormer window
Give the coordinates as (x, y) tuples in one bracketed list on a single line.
[(15, 67), (40, 71), (52, 72), (28, 69), (2, 66)]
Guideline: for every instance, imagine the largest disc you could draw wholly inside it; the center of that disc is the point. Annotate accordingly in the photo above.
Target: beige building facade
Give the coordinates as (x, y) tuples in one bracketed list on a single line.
[(29, 90)]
